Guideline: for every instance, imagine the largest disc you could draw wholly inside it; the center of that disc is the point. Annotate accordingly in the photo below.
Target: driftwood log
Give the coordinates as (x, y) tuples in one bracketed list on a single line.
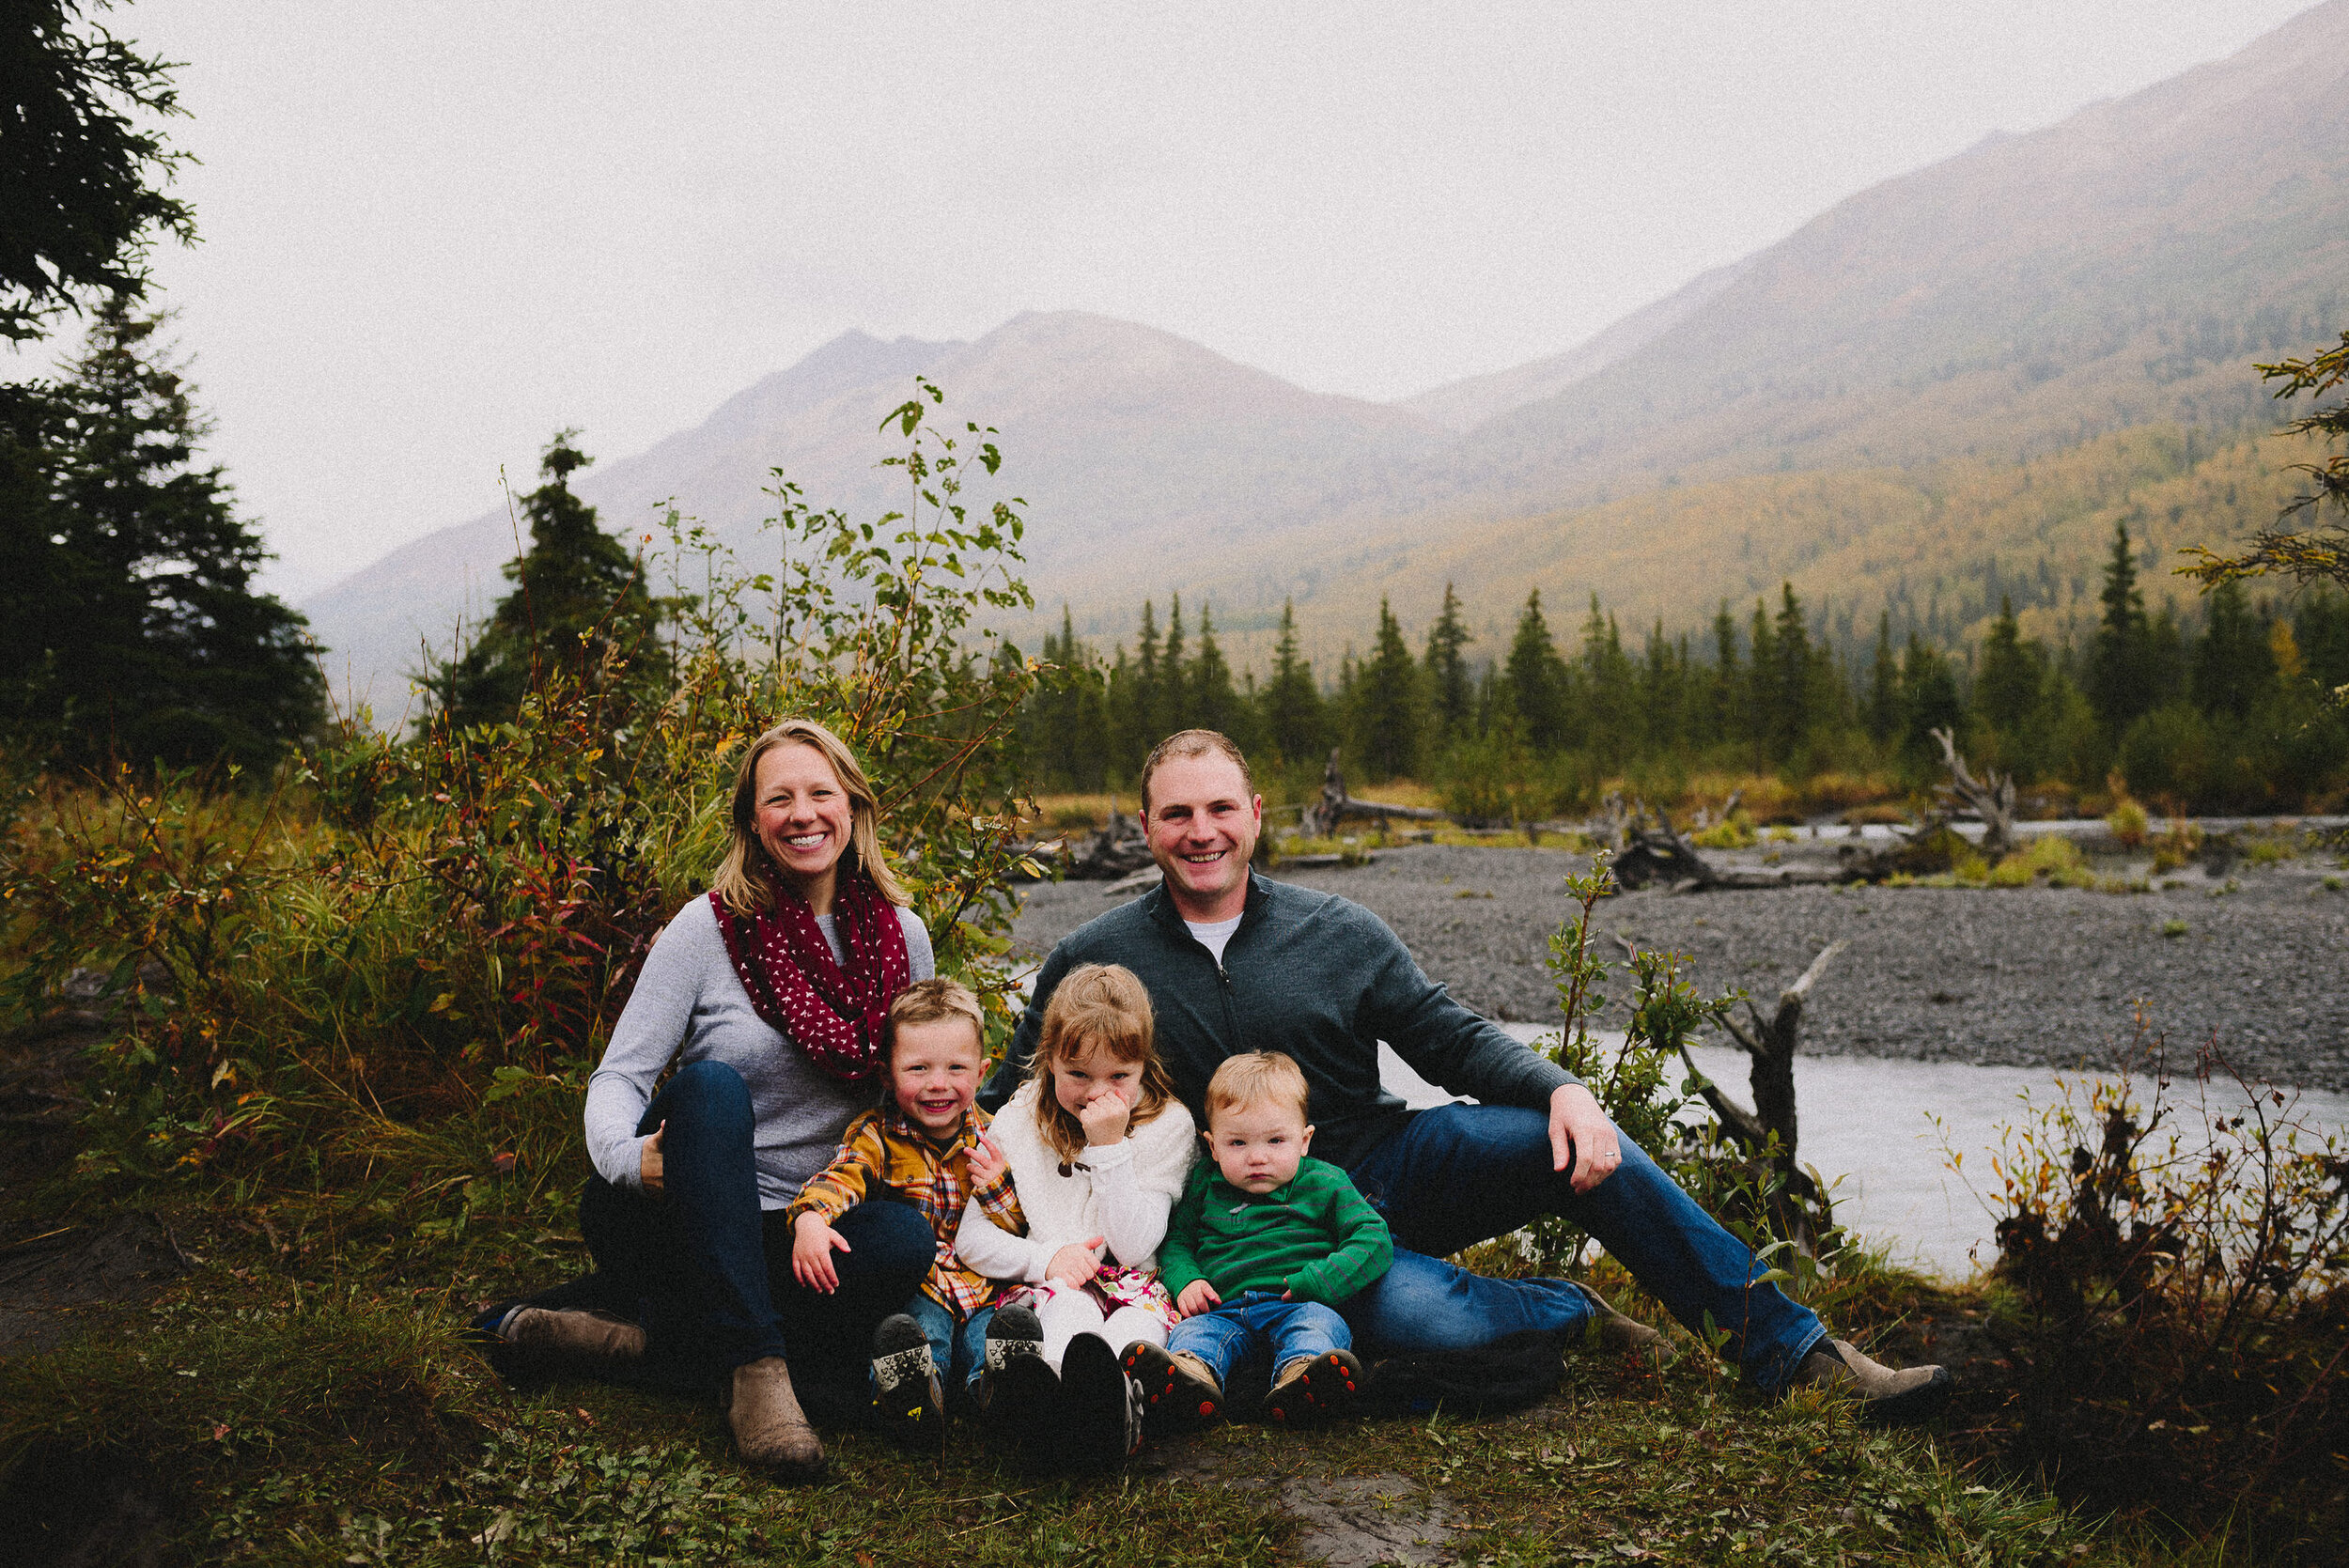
[(1799, 1210), (1990, 797), (1321, 818), (1650, 852), (1117, 850)]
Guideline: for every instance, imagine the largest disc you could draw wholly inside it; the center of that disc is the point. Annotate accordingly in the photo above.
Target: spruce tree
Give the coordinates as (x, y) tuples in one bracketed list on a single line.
[(1796, 679), (1929, 699), (1452, 696), (132, 626), (2013, 678), (1207, 684), (1883, 683), (2120, 678), (1390, 713), (577, 611), (1147, 708), (2234, 665), (1292, 711), (1174, 706), (1536, 679)]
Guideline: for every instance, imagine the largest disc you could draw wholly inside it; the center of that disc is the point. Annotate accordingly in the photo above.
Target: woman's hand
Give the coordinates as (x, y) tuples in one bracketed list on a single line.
[(987, 1162), (1104, 1117), (1198, 1296), (813, 1243), (1076, 1264), (649, 1161)]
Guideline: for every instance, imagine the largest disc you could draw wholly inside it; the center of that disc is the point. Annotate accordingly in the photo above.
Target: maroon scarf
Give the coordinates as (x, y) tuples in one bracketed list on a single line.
[(836, 1015)]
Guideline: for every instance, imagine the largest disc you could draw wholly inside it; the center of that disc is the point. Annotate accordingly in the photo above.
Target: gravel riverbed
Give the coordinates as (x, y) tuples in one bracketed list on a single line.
[(2026, 976)]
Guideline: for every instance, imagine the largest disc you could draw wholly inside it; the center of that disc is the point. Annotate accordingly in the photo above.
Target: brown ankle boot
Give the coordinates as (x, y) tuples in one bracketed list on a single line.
[(1610, 1330), (769, 1431), (1888, 1396), (539, 1336)]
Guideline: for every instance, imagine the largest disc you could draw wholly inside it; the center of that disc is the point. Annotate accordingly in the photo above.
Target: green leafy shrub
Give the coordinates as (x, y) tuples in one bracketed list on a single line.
[(408, 930), (2128, 823)]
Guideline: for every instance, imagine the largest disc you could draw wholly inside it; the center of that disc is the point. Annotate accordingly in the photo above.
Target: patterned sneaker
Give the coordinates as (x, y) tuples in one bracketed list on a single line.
[(1315, 1389), (1101, 1407), (1175, 1387), (1019, 1396), (906, 1393)]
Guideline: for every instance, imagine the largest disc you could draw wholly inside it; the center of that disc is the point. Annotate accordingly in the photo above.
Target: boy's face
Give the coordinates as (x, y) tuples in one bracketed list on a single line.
[(1257, 1146), (934, 1073)]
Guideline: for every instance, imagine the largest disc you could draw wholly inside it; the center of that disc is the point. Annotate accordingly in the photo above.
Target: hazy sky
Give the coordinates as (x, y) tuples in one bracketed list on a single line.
[(432, 233)]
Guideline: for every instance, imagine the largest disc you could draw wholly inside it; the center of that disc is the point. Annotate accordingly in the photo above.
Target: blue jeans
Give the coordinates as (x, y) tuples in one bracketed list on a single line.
[(1256, 1319), (958, 1349), (1463, 1173), (708, 1274)]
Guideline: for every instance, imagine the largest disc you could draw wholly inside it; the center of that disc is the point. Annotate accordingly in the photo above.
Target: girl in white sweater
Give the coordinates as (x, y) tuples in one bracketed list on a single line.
[(1097, 1149)]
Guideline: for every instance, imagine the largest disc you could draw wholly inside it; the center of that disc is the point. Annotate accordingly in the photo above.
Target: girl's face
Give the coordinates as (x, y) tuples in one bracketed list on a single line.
[(1087, 1071)]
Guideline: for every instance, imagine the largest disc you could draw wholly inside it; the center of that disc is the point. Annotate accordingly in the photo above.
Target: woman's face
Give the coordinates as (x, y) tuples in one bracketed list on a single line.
[(803, 814), (1081, 1075)]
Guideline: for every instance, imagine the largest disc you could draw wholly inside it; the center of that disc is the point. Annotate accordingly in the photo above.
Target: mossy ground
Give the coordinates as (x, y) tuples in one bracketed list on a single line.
[(302, 1397)]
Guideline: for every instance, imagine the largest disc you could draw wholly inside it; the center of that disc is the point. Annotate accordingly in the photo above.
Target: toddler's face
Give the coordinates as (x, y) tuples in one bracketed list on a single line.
[(934, 1073), (1257, 1146), (1082, 1075)]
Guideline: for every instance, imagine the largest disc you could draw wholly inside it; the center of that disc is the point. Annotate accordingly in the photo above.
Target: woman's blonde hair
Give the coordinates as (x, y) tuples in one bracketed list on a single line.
[(1096, 1006), (744, 879)]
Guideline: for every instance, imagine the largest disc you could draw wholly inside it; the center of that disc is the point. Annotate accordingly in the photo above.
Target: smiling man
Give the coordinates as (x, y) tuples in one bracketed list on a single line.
[(1237, 962)]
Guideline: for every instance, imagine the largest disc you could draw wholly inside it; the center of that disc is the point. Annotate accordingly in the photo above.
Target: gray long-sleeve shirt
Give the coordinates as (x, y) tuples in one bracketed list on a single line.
[(1309, 973), (689, 992)]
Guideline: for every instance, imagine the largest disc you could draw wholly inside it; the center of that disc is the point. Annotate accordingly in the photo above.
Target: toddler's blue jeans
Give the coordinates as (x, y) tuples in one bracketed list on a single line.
[(1254, 1320)]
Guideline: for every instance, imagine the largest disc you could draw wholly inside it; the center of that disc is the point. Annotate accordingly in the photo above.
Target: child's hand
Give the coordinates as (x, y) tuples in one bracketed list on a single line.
[(1076, 1264), (813, 1243), (1104, 1118), (987, 1162), (1198, 1296)]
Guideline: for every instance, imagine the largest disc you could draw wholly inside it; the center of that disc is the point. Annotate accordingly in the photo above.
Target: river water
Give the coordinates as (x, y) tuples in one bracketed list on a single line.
[(1868, 1125)]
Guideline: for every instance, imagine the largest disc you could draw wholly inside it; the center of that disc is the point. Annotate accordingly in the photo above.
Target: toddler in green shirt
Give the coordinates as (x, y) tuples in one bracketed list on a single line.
[(1261, 1247)]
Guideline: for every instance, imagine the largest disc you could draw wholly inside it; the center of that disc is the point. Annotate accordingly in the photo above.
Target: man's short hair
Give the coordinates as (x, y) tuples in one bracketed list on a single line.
[(1253, 1077), (1195, 743), (935, 1002)]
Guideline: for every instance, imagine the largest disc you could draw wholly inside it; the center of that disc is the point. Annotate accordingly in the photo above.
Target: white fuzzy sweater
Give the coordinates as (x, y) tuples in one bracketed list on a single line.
[(1124, 1197)]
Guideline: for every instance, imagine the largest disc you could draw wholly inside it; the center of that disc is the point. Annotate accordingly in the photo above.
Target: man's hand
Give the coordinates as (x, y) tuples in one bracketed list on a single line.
[(1104, 1118), (813, 1243), (987, 1162), (1580, 1135), (1198, 1296), (649, 1161), (1076, 1264)]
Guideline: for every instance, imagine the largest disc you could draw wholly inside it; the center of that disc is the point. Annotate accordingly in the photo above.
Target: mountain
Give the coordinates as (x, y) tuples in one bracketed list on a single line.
[(1126, 443), (1463, 405), (1947, 387), (2112, 276)]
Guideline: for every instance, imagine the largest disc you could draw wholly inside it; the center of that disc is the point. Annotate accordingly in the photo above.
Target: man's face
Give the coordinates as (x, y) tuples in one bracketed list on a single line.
[(1203, 825)]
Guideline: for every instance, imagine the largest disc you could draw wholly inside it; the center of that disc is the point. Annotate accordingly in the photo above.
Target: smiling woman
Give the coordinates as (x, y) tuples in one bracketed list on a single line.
[(771, 997)]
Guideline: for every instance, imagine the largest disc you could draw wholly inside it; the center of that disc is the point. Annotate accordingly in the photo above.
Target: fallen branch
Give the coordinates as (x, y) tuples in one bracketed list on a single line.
[(1771, 1043), (1991, 798), (1321, 818)]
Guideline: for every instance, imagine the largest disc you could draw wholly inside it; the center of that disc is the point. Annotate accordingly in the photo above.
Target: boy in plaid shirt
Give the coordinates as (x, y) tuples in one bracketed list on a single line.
[(915, 1149)]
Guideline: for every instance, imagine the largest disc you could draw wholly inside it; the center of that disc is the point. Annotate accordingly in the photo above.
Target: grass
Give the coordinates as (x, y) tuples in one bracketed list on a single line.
[(277, 1417)]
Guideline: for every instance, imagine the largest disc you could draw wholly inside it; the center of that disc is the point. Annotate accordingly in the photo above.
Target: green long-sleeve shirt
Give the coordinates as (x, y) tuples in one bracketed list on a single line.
[(1317, 1237)]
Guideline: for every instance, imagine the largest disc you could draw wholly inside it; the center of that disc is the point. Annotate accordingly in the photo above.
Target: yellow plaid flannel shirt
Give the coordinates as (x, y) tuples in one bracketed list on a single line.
[(884, 1152)]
